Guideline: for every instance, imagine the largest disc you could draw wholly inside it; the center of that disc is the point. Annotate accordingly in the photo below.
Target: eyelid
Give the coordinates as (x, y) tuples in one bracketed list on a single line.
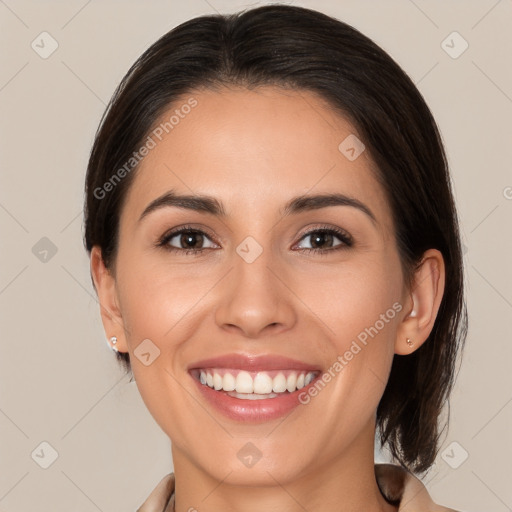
[(343, 235), (170, 233)]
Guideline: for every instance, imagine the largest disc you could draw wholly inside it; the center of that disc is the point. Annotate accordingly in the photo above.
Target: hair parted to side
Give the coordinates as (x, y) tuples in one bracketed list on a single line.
[(302, 49)]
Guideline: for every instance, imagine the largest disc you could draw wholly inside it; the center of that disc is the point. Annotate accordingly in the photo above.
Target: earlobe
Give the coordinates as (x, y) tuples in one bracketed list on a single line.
[(111, 317), (425, 298)]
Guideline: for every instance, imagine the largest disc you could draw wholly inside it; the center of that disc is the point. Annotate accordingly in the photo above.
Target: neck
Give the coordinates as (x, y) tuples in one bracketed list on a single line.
[(342, 482)]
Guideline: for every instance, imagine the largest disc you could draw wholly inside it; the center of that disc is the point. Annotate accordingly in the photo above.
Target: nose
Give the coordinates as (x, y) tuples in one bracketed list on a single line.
[(256, 299)]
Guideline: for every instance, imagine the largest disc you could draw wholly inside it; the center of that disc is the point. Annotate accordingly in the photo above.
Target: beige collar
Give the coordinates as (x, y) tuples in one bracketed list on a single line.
[(398, 486)]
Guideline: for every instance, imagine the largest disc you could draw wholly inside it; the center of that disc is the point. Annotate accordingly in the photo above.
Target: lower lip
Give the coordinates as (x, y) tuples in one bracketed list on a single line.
[(256, 411)]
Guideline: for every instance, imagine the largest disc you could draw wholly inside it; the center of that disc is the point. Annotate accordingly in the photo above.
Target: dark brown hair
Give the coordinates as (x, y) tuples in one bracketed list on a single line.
[(302, 49)]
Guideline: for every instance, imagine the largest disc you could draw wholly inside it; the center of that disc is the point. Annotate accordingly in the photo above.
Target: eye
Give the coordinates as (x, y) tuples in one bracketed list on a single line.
[(326, 236), (187, 239)]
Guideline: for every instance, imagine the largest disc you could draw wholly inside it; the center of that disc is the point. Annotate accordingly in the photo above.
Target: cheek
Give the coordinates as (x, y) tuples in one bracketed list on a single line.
[(359, 308), (163, 304), (158, 300), (360, 300)]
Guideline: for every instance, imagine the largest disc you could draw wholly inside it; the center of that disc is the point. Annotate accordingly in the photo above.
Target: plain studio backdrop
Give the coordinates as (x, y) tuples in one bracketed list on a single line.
[(75, 435)]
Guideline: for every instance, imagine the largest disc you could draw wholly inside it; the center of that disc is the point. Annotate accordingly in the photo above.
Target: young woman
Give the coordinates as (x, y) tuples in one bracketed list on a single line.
[(275, 248)]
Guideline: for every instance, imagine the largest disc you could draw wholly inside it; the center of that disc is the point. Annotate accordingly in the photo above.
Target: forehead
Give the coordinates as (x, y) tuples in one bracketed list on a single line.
[(253, 149)]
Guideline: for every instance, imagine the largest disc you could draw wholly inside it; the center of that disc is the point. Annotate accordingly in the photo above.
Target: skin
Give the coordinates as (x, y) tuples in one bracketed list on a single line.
[(254, 151)]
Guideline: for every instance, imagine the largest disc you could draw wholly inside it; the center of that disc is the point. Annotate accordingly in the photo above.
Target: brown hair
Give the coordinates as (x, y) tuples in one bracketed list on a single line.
[(299, 48)]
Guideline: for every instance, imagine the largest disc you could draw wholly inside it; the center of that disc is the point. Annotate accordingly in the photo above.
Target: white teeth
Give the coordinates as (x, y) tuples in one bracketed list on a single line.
[(217, 381), (228, 382), (262, 386), (309, 377), (251, 396), (244, 383), (279, 383), (291, 382)]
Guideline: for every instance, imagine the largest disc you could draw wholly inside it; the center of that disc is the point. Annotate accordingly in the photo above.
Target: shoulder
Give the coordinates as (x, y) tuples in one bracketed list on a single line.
[(160, 495), (406, 490)]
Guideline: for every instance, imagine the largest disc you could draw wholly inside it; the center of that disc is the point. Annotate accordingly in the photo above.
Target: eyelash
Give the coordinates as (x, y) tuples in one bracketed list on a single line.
[(342, 235)]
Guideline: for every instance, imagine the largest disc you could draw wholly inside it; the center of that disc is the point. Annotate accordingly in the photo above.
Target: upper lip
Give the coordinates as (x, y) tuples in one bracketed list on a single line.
[(250, 362)]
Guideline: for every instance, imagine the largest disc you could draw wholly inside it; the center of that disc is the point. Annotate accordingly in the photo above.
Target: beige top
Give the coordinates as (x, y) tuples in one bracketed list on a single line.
[(397, 485)]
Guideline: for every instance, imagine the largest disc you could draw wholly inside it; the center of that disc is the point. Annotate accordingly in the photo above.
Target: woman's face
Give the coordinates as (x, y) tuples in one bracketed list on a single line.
[(255, 289)]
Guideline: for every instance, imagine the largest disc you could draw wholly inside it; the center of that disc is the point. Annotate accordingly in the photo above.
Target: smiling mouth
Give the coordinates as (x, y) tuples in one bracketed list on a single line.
[(256, 385)]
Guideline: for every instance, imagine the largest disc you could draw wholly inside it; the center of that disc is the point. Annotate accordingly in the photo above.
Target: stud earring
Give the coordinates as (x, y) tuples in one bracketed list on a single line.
[(409, 342), (113, 340)]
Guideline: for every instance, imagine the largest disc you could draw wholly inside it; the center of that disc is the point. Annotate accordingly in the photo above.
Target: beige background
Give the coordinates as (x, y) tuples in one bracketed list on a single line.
[(60, 382)]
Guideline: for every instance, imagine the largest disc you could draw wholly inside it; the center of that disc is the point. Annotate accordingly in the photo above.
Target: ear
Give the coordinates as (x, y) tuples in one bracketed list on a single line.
[(105, 285), (423, 303)]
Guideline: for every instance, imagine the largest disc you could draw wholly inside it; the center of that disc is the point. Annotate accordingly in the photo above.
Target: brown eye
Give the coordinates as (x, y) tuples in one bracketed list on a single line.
[(187, 240), (190, 240), (321, 237)]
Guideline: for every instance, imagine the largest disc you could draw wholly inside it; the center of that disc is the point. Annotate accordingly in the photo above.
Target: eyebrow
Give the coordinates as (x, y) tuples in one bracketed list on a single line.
[(208, 204)]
